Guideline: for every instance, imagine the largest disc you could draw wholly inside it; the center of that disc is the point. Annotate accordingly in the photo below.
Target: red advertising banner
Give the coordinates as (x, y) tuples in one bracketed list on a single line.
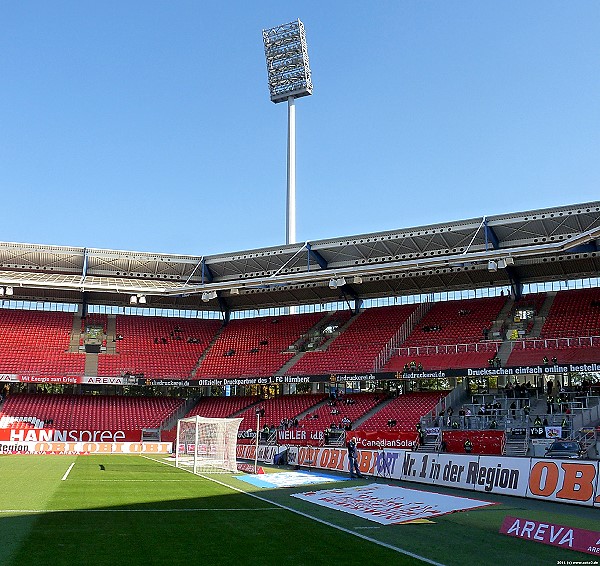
[(483, 441), (62, 448), (57, 435), (562, 536), (374, 440)]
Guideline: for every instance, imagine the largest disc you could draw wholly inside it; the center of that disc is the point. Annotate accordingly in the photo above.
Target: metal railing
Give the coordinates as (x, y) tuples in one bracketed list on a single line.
[(554, 343), (427, 350)]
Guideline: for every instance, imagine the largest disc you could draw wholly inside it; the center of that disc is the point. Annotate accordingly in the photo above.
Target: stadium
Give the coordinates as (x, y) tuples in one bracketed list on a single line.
[(105, 351), (428, 394)]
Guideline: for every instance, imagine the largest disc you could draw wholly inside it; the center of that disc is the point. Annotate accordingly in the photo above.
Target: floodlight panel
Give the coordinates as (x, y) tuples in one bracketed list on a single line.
[(288, 67)]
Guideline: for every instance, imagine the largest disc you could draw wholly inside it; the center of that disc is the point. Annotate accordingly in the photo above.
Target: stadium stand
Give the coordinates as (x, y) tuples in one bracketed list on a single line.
[(88, 412), (357, 347), (43, 351), (570, 333), (36, 342), (406, 410), (352, 407), (288, 407), (451, 335), (157, 347), (256, 347), (221, 407)]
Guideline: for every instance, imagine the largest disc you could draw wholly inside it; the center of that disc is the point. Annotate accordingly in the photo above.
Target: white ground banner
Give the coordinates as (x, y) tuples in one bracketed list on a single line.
[(388, 505)]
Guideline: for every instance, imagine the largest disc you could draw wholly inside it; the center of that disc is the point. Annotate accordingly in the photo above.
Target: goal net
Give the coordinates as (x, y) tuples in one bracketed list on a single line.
[(207, 445)]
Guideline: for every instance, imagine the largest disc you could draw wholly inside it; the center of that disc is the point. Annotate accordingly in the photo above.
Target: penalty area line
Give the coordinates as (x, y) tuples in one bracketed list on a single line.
[(67, 472), (312, 517)]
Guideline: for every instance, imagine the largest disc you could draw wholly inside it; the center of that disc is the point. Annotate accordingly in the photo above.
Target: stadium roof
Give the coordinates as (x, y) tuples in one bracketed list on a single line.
[(511, 249)]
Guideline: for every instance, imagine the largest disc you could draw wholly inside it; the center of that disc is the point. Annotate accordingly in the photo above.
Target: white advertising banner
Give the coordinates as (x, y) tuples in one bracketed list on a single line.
[(450, 470), (497, 474), (566, 481), (388, 505)]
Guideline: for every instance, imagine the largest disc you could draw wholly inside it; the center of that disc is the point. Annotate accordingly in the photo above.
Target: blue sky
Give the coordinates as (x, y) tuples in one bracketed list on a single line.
[(147, 125)]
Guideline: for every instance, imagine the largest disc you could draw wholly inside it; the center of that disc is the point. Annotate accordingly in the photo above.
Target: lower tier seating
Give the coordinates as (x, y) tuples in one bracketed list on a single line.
[(90, 412), (405, 410)]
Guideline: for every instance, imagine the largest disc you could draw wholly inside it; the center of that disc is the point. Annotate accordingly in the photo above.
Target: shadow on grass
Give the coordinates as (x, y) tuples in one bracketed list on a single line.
[(143, 512)]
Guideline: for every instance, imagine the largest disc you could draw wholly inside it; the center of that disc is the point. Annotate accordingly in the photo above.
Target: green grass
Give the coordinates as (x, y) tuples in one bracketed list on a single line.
[(140, 511)]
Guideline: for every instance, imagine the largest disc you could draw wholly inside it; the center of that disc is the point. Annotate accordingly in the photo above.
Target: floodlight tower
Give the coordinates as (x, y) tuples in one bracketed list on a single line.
[(289, 78)]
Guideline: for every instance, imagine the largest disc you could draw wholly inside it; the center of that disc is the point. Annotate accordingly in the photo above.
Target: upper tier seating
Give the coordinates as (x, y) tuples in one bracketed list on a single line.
[(571, 332), (36, 343), (406, 410), (356, 349), (573, 314), (91, 412), (451, 335), (255, 346), (158, 347)]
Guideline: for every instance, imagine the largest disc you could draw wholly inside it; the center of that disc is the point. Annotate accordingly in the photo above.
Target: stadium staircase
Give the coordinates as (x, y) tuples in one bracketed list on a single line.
[(357, 348), (373, 411), (341, 329), (517, 446), (431, 443), (91, 365), (283, 369), (255, 347), (587, 437), (313, 336), (569, 332), (451, 335), (401, 335), (542, 315), (206, 352), (168, 428), (111, 334), (75, 335), (500, 322)]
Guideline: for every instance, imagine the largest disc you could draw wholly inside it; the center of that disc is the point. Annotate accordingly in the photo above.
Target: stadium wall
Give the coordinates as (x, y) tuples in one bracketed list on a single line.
[(564, 481)]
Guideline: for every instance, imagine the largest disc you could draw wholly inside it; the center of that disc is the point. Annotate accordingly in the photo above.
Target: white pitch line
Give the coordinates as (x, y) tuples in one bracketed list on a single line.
[(183, 510), (130, 480), (312, 517), (67, 472)]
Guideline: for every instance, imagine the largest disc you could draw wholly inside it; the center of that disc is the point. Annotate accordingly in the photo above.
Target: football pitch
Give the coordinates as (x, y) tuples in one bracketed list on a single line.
[(132, 510)]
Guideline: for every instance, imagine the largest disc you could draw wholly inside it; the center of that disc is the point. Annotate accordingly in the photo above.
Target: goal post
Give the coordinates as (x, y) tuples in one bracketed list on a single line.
[(207, 445)]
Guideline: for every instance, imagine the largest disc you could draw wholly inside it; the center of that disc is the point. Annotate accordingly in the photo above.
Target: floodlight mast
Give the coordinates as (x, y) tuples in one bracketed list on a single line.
[(289, 78)]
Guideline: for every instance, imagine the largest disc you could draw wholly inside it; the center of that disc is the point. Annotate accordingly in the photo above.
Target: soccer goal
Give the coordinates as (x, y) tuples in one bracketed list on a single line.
[(207, 445)]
